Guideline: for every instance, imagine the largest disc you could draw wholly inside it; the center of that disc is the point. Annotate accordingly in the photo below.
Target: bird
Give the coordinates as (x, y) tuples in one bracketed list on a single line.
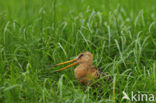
[(85, 72)]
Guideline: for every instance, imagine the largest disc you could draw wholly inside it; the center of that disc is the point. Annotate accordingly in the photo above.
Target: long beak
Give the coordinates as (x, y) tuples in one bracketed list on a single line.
[(66, 63), (67, 67)]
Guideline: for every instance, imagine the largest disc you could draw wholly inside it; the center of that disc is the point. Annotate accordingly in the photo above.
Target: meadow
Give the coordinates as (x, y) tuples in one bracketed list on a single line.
[(121, 34)]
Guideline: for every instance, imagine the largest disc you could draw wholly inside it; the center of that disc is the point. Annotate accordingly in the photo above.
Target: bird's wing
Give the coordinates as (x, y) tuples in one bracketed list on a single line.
[(101, 73), (93, 72)]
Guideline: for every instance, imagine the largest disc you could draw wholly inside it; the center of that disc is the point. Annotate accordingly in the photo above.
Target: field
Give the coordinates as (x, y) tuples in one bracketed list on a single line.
[(121, 34)]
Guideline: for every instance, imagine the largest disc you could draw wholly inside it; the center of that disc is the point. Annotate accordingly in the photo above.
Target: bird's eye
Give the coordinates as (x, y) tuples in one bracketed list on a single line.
[(80, 55)]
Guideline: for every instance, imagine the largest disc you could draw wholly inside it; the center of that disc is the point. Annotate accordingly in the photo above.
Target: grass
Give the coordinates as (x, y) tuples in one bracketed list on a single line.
[(121, 34)]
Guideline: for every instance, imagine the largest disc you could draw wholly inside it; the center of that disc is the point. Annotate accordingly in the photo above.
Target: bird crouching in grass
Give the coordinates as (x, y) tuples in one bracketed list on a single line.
[(86, 73)]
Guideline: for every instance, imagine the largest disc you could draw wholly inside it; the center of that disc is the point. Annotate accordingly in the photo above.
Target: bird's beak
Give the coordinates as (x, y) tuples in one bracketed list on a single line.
[(66, 63)]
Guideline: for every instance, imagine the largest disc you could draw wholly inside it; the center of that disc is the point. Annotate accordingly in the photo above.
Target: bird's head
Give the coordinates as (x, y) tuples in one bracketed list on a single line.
[(85, 57), (82, 58)]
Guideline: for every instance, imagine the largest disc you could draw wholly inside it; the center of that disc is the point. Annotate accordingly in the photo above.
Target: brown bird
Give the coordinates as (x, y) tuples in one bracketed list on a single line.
[(85, 72)]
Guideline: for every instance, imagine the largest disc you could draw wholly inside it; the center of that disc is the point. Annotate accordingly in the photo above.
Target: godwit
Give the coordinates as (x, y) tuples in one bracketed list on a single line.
[(85, 72)]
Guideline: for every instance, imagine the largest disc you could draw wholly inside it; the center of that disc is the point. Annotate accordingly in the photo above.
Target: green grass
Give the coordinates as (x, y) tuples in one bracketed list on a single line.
[(121, 34)]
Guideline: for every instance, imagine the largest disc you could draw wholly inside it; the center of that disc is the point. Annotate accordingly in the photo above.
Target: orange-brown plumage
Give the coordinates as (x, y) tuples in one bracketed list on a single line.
[(85, 72)]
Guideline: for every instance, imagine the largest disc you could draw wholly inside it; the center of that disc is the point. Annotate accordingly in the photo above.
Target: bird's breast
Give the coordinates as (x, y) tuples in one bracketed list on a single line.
[(80, 71), (85, 74)]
